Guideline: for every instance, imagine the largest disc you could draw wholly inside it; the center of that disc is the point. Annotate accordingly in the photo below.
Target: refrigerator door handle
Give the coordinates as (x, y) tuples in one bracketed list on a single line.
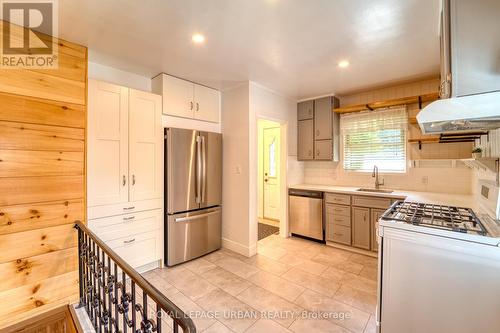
[(204, 170), (198, 168), (196, 217)]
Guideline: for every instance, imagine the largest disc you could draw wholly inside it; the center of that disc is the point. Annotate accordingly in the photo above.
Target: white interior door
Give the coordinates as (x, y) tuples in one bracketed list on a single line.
[(271, 149), (107, 156), (145, 146)]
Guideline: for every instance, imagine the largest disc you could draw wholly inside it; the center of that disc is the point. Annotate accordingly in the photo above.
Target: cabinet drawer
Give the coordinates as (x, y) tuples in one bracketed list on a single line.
[(123, 208), (371, 202), (139, 249), (114, 227), (340, 234), (339, 220), (342, 199), (338, 210)]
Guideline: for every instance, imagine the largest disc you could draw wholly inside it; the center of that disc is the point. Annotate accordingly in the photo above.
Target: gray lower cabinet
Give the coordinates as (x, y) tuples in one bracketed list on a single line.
[(361, 227), (353, 220), (305, 140), (338, 224), (375, 216)]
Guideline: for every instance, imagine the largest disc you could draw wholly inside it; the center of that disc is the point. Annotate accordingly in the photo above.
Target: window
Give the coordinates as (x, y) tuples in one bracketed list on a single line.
[(375, 138), (272, 159)]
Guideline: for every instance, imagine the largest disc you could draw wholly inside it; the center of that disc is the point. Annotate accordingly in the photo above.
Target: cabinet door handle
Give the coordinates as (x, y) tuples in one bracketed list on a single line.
[(317, 152), (128, 218), (129, 208), (129, 241), (133, 180), (197, 106), (310, 152), (191, 105), (317, 132), (124, 180)]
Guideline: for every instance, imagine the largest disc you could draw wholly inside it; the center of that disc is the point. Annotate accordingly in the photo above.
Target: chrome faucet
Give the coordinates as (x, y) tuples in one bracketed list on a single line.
[(375, 175)]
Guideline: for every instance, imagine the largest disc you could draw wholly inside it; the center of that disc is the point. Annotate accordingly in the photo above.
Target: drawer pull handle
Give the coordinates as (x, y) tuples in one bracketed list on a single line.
[(129, 241), (128, 218), (129, 208), (337, 234)]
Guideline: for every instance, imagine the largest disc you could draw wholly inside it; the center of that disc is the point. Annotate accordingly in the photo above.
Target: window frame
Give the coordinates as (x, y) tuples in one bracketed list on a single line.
[(381, 171)]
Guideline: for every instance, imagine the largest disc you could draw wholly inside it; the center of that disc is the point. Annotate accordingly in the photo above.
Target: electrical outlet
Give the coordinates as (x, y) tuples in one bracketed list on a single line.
[(425, 180)]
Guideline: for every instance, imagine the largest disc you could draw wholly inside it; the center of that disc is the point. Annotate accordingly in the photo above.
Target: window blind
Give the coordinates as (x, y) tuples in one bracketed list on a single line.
[(375, 138)]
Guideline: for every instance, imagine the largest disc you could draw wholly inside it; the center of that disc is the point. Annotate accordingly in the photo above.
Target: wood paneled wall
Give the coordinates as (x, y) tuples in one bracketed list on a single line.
[(42, 183)]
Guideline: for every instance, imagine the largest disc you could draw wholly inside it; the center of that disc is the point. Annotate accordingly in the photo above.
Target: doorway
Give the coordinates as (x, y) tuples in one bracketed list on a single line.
[(269, 166)]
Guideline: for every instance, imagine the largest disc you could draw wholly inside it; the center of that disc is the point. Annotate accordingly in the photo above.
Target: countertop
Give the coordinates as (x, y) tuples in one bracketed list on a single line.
[(450, 199), (459, 200)]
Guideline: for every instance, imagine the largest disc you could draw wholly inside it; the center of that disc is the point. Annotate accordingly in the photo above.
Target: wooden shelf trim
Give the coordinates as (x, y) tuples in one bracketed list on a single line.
[(424, 140), (388, 103)]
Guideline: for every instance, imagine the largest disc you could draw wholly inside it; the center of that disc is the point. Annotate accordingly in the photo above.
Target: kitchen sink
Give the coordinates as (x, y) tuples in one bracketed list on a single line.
[(374, 190)]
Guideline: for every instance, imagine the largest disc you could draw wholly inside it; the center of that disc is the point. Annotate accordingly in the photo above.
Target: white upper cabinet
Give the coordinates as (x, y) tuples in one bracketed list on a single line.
[(145, 146), (107, 132), (182, 98), (207, 103), (177, 96), (125, 145)]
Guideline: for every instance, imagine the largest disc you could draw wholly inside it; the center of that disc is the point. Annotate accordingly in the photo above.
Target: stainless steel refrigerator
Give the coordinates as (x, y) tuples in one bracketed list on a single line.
[(193, 194)]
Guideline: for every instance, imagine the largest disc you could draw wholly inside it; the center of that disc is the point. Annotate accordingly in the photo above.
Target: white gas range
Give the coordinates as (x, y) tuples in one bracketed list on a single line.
[(439, 267)]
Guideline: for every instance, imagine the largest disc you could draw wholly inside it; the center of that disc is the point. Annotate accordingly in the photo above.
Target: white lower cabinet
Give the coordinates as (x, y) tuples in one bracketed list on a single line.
[(136, 237), (138, 250)]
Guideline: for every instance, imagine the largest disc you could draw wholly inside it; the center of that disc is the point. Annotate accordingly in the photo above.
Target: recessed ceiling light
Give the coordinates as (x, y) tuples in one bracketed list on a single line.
[(343, 63), (198, 38)]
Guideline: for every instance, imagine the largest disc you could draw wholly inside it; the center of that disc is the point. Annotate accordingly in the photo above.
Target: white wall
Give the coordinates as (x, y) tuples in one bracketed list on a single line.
[(235, 166), (267, 104), (241, 107), (117, 76), (439, 179)]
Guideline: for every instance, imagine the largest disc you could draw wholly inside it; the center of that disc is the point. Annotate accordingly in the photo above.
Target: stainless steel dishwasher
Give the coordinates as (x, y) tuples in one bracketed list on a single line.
[(306, 213)]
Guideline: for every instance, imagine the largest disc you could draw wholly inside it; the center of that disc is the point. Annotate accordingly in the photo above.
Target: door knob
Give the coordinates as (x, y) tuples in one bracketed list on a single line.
[(265, 180)]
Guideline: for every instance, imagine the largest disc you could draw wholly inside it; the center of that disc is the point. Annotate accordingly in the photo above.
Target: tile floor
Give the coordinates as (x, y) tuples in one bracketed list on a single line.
[(291, 285)]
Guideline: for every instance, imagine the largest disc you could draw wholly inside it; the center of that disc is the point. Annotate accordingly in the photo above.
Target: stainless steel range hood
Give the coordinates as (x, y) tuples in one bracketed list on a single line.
[(461, 114)]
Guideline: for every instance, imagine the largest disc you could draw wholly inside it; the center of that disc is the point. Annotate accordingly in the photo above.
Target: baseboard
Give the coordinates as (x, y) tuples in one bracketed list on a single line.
[(352, 249), (239, 248), (149, 267)]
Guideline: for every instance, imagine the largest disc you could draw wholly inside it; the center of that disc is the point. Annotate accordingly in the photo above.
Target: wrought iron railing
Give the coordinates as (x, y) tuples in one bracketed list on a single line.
[(117, 298)]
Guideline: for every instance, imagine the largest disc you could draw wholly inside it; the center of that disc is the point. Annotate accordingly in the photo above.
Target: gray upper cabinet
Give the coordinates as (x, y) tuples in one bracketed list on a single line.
[(323, 119), (305, 142), (470, 47), (325, 129), (305, 110), (323, 150)]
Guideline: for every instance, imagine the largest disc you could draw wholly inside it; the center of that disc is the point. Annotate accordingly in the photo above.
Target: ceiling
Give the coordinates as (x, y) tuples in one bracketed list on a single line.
[(290, 46)]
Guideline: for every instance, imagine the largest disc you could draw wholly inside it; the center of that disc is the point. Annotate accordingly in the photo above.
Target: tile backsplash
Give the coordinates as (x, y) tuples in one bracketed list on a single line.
[(458, 179)]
